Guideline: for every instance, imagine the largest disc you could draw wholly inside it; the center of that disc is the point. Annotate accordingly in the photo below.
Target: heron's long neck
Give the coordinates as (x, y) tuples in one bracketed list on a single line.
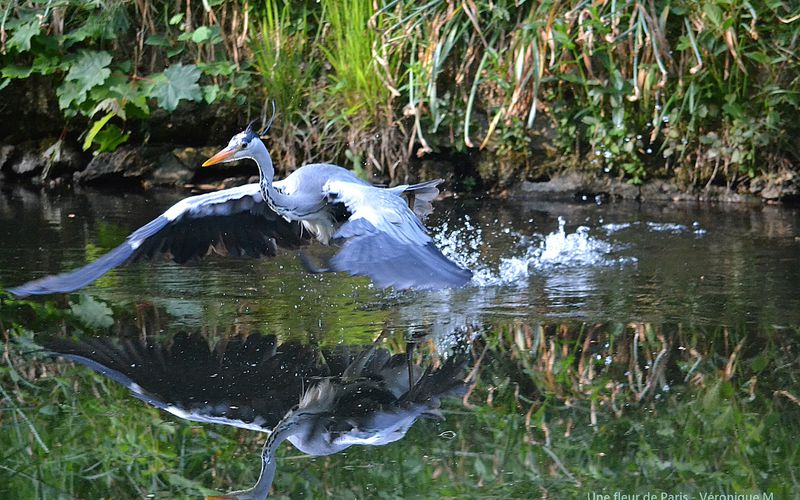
[(278, 201), (287, 426)]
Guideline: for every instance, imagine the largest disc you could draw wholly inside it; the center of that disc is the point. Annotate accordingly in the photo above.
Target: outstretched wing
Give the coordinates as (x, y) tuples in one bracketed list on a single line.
[(384, 239), (243, 382), (233, 222)]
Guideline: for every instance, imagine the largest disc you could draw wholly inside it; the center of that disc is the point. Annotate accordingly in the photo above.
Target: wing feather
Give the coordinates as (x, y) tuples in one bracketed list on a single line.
[(384, 239)]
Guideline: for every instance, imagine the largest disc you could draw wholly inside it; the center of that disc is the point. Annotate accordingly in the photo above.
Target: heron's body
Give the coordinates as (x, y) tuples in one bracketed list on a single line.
[(381, 237)]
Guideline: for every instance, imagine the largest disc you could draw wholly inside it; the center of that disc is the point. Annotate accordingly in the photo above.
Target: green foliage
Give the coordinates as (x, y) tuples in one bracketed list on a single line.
[(175, 83), (702, 91), (85, 47), (92, 313)]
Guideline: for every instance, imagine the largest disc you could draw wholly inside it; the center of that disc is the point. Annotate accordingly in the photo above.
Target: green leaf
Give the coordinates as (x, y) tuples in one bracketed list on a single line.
[(110, 105), (217, 68), (175, 19), (210, 93), (12, 71), (45, 64), (132, 97), (759, 57), (110, 138), (69, 92), (176, 83), (713, 13), (92, 312), (21, 39), (157, 41), (96, 126), (90, 69), (174, 51), (201, 34)]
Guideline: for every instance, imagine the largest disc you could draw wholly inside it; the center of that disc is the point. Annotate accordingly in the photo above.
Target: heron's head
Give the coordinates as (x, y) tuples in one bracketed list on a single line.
[(241, 145)]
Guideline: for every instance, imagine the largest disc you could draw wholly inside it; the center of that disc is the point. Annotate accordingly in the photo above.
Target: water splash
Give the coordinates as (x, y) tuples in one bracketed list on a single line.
[(545, 253)]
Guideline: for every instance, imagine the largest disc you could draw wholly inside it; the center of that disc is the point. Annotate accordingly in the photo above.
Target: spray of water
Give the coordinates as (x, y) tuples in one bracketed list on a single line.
[(542, 254)]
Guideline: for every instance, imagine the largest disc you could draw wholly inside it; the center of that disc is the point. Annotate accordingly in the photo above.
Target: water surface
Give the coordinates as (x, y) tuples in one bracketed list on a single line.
[(603, 336)]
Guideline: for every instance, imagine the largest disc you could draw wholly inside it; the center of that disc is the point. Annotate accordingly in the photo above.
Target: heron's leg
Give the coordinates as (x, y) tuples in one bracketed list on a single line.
[(409, 362)]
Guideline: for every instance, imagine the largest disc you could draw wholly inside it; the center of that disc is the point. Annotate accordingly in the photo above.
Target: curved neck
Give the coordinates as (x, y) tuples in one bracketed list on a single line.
[(282, 430), (266, 172)]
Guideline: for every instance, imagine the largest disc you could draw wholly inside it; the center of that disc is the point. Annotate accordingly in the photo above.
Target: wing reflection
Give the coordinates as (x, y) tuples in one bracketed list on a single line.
[(321, 400)]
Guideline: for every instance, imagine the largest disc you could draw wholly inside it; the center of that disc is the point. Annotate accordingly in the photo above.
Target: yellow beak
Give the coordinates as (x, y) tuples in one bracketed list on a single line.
[(220, 157)]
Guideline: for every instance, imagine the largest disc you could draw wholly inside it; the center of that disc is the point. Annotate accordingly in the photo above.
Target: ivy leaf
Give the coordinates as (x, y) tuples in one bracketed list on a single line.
[(69, 92), (175, 83), (21, 39), (90, 69), (210, 93), (92, 313)]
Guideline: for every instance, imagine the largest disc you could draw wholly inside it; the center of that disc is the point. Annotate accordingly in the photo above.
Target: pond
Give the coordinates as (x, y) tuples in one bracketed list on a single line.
[(601, 349)]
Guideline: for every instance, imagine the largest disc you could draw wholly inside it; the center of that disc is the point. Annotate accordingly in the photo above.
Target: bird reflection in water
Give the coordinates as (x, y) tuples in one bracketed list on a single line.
[(321, 400)]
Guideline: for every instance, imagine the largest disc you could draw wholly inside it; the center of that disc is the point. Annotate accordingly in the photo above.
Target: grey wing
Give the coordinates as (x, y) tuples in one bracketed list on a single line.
[(230, 222), (384, 239), (246, 382)]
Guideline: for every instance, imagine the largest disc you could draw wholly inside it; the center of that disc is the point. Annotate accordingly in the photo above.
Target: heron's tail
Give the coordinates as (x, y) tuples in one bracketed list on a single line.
[(421, 196)]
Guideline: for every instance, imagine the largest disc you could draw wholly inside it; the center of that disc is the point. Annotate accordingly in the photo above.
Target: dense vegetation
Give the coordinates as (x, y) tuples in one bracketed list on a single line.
[(704, 92)]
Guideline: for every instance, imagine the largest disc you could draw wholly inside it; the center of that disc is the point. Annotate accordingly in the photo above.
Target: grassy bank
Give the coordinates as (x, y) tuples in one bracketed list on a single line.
[(700, 92)]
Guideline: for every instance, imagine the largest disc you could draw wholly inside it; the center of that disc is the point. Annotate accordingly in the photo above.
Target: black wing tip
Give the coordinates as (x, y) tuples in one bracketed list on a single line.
[(75, 279)]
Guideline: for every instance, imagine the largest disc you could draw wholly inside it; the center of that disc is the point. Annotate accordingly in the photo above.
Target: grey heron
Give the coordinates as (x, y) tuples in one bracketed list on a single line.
[(322, 401), (380, 235)]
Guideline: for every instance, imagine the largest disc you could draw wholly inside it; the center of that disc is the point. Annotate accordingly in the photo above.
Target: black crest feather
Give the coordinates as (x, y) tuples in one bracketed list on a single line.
[(272, 118)]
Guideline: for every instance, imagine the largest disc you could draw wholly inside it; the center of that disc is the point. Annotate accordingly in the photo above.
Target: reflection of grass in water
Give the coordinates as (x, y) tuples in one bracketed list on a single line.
[(550, 416)]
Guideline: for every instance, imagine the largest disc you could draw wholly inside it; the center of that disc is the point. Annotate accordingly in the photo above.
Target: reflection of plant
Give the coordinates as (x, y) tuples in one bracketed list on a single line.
[(558, 409)]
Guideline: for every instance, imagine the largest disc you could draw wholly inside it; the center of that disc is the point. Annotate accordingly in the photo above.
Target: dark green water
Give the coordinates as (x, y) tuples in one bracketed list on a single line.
[(618, 348)]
